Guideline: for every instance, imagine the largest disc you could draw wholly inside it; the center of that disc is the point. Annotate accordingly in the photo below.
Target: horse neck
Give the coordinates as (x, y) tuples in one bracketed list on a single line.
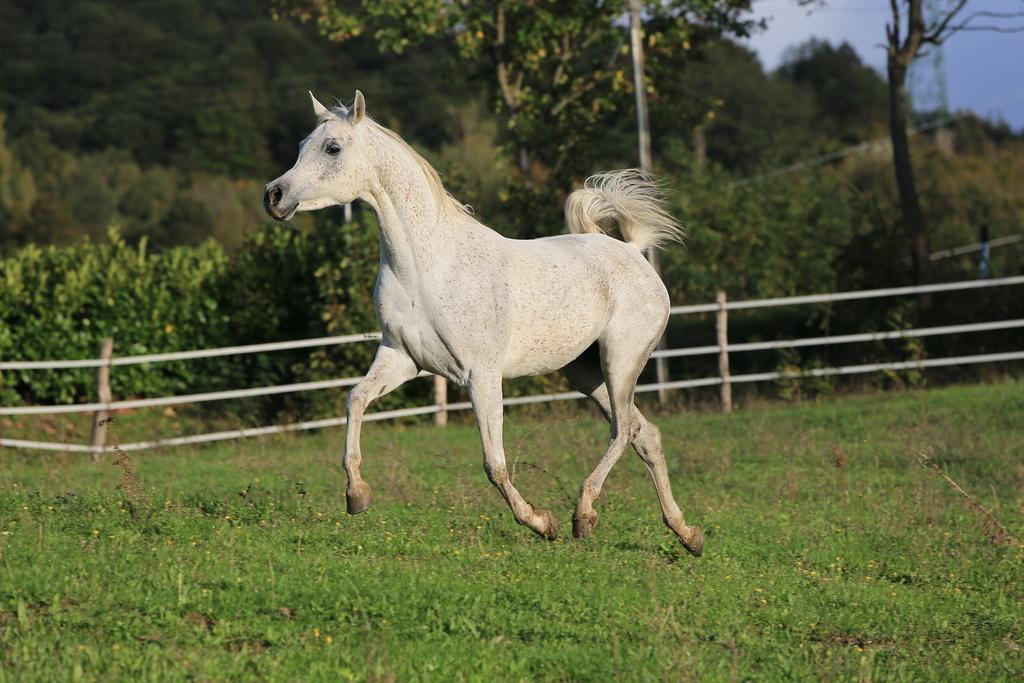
[(414, 229)]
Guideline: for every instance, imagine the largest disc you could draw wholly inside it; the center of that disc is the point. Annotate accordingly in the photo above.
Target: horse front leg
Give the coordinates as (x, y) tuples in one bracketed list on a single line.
[(485, 394), (389, 370)]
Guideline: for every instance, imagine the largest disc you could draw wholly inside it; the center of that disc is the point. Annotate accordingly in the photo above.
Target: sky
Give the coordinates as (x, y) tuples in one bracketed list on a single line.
[(984, 70)]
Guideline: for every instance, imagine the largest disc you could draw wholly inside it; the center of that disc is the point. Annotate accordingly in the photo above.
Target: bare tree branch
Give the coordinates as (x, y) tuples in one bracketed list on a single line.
[(573, 96), (993, 15), (511, 99), (936, 33), (990, 29)]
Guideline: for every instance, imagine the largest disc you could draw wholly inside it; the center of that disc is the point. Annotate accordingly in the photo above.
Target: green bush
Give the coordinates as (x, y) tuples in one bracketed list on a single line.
[(59, 302), (282, 284)]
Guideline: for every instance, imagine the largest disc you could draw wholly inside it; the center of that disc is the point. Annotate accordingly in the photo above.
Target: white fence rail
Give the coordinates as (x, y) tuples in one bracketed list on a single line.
[(976, 247), (850, 296), (188, 355), (440, 409)]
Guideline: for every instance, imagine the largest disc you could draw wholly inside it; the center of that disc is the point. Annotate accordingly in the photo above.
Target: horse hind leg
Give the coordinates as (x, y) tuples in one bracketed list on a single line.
[(584, 374), (648, 446), (584, 518)]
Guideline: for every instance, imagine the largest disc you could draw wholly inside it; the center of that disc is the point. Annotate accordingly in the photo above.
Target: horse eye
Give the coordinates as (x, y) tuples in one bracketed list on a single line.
[(332, 148)]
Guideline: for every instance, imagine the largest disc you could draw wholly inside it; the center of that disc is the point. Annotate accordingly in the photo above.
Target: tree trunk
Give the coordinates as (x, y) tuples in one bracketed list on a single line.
[(913, 221), (524, 163), (700, 145)]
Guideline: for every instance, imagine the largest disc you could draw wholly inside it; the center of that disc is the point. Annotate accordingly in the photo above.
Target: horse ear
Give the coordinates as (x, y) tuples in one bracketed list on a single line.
[(355, 115), (318, 109)]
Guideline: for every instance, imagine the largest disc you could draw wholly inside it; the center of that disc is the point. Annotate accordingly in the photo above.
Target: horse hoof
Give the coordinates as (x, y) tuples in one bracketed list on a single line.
[(693, 541), (358, 500), (550, 529), (584, 526)]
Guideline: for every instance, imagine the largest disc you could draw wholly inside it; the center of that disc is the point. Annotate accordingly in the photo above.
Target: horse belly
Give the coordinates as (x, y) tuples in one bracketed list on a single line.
[(553, 328)]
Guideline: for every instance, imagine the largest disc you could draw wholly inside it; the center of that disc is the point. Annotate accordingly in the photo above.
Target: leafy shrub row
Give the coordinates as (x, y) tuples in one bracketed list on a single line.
[(59, 302)]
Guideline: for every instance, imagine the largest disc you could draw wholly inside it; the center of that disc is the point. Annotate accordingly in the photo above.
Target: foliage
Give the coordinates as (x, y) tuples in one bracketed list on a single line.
[(745, 237), (831, 554), (282, 284), (60, 302), (976, 185), (557, 73), (850, 99), (17, 188), (753, 122), (54, 198), (167, 117)]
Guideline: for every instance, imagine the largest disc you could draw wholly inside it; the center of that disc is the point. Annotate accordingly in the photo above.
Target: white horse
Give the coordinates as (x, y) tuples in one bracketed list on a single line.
[(457, 299)]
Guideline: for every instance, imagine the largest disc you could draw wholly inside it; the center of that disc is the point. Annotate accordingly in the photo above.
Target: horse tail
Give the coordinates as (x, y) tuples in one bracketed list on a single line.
[(627, 201)]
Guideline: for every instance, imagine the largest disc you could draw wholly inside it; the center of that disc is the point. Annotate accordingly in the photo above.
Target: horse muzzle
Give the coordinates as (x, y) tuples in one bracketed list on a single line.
[(274, 206)]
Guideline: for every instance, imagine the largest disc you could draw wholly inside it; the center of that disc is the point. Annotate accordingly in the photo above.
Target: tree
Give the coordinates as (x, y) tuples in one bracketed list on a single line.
[(752, 122), (850, 97), (17, 191), (557, 71), (903, 47)]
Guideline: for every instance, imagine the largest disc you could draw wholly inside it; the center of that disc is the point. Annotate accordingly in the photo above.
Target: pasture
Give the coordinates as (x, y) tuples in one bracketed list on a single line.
[(831, 553)]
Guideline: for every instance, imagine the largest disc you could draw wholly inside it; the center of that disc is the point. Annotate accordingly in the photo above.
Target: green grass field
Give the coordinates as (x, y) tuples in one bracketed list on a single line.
[(831, 554)]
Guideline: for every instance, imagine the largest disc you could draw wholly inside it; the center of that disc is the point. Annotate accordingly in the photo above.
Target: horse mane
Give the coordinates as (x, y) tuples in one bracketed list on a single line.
[(448, 204)]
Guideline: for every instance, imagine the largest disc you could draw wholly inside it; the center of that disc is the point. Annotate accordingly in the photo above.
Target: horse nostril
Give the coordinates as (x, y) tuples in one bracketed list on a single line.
[(274, 195)]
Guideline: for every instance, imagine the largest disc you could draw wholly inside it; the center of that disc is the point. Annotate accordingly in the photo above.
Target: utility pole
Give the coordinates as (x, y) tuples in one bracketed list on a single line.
[(644, 141), (636, 34)]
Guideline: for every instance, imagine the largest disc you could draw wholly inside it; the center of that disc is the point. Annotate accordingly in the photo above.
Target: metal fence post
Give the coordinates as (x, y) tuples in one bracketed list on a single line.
[(722, 328), (103, 395), (441, 400)]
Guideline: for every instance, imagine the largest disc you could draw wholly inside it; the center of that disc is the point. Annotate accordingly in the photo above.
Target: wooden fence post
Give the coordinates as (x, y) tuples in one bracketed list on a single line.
[(441, 399), (722, 328), (99, 426)]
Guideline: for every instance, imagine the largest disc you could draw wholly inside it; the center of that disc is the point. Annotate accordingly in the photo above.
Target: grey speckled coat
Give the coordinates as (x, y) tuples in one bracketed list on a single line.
[(458, 299)]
